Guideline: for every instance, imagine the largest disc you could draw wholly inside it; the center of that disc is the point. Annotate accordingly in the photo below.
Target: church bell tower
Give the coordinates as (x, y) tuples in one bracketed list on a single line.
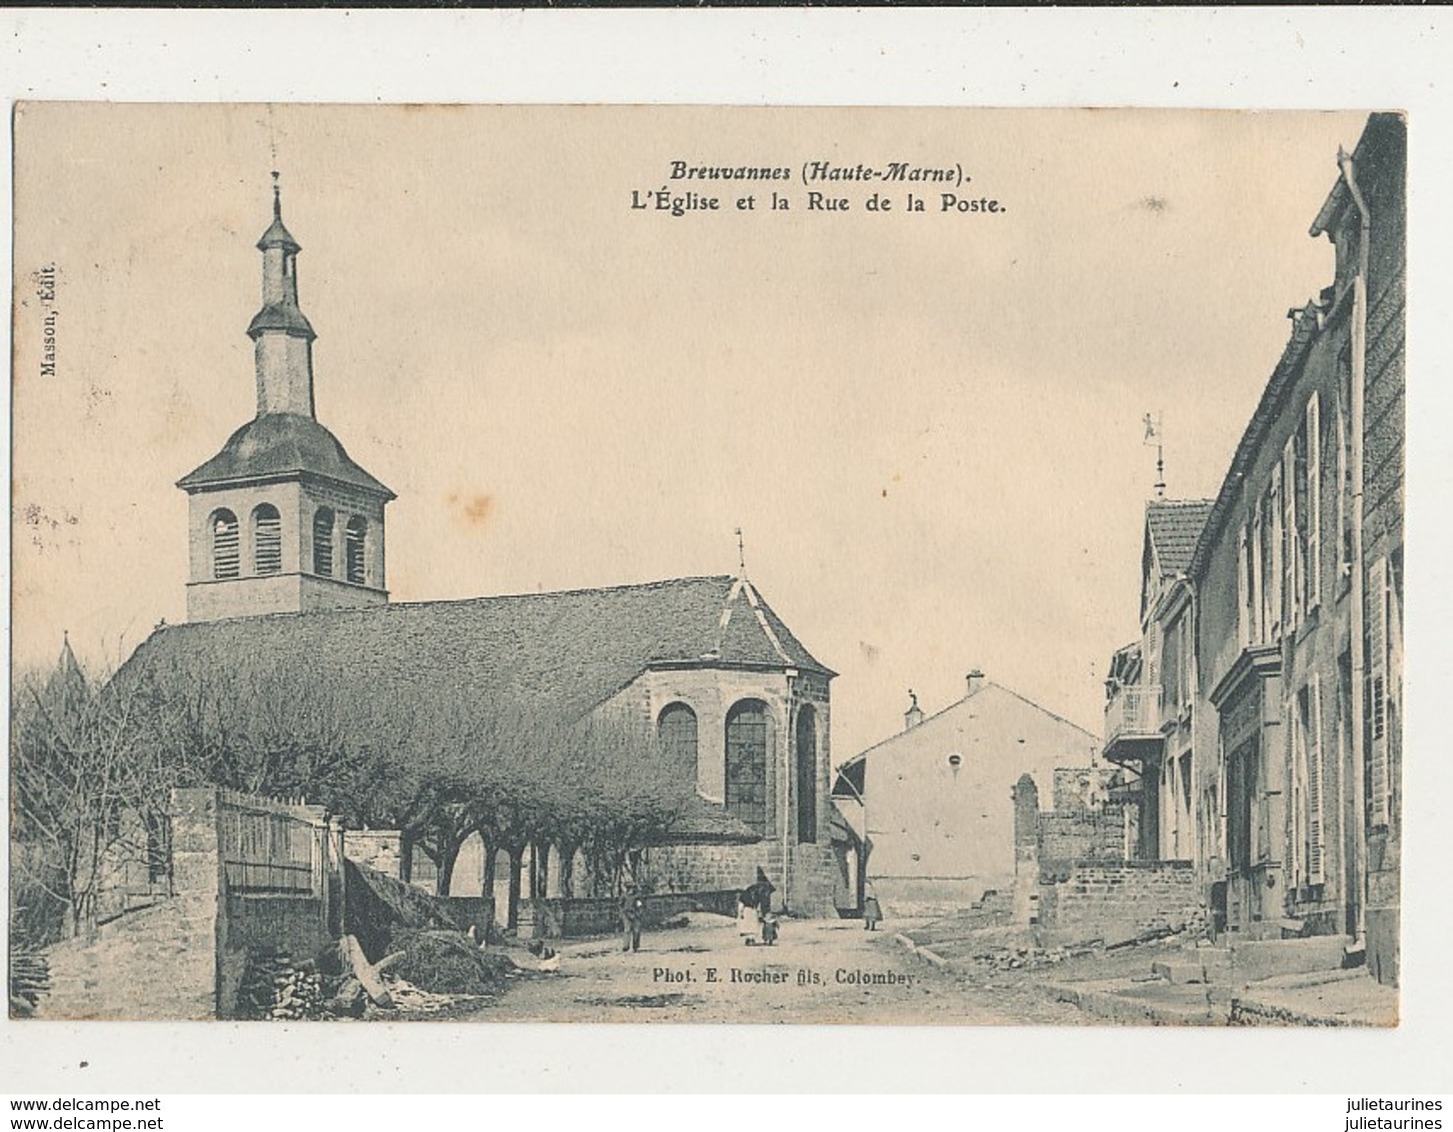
[(281, 520)]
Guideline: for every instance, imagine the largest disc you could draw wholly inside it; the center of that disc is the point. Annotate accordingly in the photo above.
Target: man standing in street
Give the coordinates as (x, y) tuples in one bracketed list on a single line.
[(633, 910)]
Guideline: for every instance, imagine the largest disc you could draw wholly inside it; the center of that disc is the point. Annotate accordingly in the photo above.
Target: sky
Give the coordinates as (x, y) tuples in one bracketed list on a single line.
[(928, 426)]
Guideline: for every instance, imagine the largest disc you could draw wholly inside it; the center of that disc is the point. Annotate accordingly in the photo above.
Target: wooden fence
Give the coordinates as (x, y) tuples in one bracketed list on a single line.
[(273, 845)]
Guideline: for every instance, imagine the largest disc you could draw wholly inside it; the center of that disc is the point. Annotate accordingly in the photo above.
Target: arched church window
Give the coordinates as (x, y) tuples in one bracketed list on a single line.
[(267, 540), (323, 542), (353, 539), (677, 731), (746, 763), (807, 776), (224, 544)]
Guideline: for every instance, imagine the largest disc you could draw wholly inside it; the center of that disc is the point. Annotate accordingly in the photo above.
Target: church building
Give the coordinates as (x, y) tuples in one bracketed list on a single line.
[(287, 559)]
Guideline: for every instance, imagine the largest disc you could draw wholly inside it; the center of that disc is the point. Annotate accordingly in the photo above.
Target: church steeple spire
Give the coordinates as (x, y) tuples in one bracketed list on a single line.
[(282, 520), (282, 334)]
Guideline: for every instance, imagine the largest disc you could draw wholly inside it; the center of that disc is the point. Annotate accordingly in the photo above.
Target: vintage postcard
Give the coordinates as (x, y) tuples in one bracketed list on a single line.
[(706, 564)]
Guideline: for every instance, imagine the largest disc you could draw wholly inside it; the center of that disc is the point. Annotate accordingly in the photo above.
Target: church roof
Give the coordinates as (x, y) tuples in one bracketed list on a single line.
[(277, 236), (284, 316), (561, 654), (281, 444), (1173, 526), (707, 823)]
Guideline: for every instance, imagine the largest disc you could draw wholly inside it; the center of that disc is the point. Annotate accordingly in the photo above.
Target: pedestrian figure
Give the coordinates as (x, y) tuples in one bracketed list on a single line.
[(747, 916), (872, 913), (769, 928), (761, 891), (633, 911)]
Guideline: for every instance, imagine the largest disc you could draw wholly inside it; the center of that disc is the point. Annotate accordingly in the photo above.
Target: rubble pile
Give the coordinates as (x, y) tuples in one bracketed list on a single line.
[(274, 988), (1032, 958), (448, 962), (411, 1000)]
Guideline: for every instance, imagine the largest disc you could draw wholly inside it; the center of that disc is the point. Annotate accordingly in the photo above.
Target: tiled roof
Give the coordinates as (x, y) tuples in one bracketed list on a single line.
[(281, 444), (707, 823), (1173, 526), (561, 654)]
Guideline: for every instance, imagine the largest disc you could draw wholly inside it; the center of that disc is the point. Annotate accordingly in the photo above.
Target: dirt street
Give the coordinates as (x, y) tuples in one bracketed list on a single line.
[(818, 971)]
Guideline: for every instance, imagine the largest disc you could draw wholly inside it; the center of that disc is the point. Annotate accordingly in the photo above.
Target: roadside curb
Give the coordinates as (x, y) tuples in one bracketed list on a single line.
[(925, 953), (1250, 1012), (1101, 1000)]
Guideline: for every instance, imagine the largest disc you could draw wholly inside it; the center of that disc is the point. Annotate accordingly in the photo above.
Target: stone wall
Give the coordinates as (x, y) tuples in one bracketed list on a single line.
[(679, 869), (380, 849), (1095, 835), (1129, 897), (559, 918), (806, 886), (1382, 174), (158, 963)]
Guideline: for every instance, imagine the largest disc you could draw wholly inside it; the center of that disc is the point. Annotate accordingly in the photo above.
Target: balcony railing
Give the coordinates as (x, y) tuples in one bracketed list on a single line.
[(1133, 712)]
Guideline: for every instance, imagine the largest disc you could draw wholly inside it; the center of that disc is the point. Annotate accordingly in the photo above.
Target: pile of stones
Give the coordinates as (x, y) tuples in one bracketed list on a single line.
[(274, 988)]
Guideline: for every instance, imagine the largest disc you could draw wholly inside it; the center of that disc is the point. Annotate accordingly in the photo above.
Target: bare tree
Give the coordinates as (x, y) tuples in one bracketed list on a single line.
[(91, 771)]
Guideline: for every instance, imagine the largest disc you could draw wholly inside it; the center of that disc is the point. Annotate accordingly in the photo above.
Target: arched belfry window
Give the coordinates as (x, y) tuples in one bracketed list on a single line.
[(223, 526), (807, 776), (267, 540), (677, 731), (323, 542), (354, 537), (746, 763)]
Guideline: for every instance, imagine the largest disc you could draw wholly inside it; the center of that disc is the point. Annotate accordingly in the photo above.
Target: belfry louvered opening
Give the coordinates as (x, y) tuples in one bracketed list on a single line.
[(323, 542), (354, 539), (267, 540), (224, 545)]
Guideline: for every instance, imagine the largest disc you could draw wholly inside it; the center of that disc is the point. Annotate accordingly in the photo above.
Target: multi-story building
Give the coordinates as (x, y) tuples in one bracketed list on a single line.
[(1150, 690), (1294, 597)]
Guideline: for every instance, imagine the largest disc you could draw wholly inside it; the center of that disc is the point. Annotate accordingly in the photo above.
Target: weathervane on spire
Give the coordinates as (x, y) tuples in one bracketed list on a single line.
[(277, 197), (1155, 434), (741, 554)]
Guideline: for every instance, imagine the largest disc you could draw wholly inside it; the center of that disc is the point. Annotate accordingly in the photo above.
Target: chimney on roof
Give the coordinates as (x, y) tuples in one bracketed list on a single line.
[(914, 715), (975, 679)]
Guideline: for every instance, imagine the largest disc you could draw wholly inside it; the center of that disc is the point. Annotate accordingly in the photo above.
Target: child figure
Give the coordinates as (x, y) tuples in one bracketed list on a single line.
[(746, 919), (769, 928), (872, 913)]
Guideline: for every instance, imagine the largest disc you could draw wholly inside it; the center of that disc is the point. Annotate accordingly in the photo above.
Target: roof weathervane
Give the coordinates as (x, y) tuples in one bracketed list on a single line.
[(741, 554), (1155, 434), (277, 197)]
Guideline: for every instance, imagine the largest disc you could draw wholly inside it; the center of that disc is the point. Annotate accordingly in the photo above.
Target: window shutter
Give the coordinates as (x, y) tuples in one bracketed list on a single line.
[(1316, 872), (1276, 531), (1152, 658), (1314, 502), (1243, 592), (1377, 691), (1296, 783), (1258, 583), (1291, 598)]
